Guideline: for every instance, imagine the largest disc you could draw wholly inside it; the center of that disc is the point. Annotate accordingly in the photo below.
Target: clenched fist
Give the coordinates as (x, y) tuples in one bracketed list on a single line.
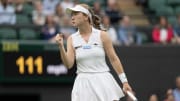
[(59, 39)]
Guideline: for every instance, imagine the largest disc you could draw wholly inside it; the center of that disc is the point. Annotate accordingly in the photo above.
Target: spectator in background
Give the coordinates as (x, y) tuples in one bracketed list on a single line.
[(76, 2), (170, 98), (19, 5), (127, 33), (7, 13), (38, 16), (11, 2), (143, 3), (153, 97), (106, 24), (66, 4), (176, 91), (112, 11), (59, 14), (97, 9), (177, 31), (163, 32), (30, 1), (49, 6), (50, 29), (169, 95), (169, 91)]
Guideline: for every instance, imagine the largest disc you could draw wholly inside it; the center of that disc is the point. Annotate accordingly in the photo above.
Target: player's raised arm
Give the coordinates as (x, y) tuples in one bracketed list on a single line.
[(66, 56)]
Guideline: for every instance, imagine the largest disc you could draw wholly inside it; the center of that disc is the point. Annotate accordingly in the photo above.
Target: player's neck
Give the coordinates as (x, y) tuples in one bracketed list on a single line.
[(85, 29)]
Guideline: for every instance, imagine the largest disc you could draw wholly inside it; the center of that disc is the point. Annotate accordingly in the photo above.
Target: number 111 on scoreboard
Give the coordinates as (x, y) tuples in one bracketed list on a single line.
[(31, 64)]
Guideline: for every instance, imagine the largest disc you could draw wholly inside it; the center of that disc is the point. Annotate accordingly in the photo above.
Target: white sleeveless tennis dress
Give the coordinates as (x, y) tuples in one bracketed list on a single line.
[(93, 81)]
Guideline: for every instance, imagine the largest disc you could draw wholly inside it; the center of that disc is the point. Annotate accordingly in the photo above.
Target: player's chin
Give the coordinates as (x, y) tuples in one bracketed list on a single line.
[(74, 25)]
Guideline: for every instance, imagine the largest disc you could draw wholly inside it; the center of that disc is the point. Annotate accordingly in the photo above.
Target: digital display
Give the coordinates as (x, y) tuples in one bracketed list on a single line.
[(33, 63)]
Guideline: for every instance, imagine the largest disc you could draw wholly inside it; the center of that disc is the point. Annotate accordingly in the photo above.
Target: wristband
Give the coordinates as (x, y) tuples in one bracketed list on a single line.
[(123, 77)]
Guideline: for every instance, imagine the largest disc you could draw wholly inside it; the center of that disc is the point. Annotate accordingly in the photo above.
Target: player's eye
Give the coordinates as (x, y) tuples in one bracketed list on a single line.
[(74, 13)]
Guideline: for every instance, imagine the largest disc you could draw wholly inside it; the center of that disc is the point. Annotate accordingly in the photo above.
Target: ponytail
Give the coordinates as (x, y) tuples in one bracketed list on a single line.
[(96, 21)]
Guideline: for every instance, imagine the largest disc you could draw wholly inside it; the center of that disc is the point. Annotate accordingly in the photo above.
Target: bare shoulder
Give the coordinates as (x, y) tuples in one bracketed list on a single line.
[(69, 41), (104, 36), (69, 38), (103, 33), (72, 36)]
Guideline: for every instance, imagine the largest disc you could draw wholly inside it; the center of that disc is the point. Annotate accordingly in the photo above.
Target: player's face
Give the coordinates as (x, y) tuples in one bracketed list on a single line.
[(78, 18)]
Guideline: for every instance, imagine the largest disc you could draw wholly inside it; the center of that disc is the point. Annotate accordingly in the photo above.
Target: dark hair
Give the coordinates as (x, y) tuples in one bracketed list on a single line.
[(96, 20)]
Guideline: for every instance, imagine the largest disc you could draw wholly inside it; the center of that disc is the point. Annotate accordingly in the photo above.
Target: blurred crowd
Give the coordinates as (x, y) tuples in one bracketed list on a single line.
[(50, 15), (165, 33), (171, 94)]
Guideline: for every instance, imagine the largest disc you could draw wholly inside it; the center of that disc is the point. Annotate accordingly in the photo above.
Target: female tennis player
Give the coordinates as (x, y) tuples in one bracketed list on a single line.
[(88, 47)]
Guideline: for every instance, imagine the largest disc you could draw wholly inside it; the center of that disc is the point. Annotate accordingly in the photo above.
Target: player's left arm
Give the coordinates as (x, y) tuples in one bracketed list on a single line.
[(110, 52), (114, 59)]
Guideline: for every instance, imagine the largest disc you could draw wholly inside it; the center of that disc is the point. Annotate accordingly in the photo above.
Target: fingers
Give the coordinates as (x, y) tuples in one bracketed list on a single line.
[(127, 88), (59, 37), (60, 34)]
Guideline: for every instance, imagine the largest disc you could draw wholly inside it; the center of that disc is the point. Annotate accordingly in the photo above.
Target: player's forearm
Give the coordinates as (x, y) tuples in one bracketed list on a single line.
[(117, 65), (64, 57)]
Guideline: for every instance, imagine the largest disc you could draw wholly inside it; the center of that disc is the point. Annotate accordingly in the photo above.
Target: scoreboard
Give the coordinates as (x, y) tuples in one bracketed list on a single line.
[(32, 62)]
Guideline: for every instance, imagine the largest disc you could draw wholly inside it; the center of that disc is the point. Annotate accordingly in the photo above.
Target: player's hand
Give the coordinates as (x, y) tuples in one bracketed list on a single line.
[(59, 39), (126, 87)]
